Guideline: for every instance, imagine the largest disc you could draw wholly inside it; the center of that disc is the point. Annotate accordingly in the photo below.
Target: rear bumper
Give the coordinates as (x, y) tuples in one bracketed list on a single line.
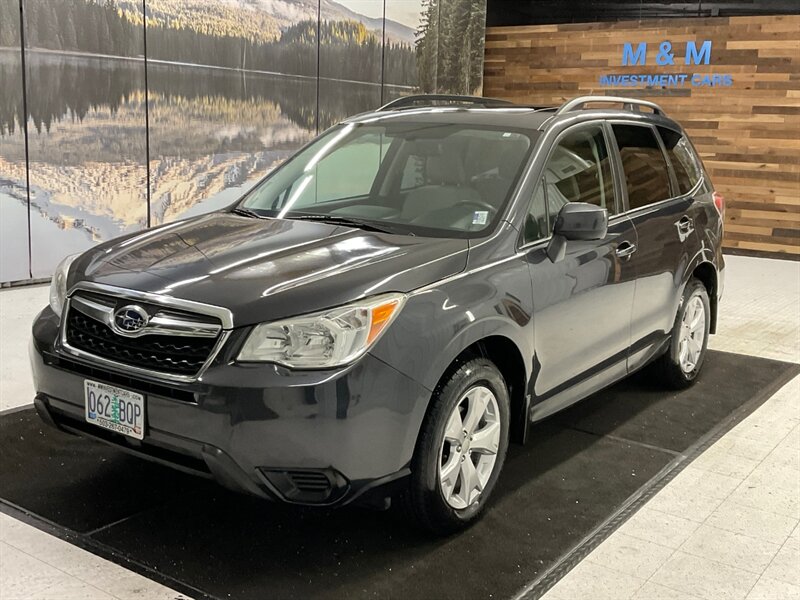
[(317, 438)]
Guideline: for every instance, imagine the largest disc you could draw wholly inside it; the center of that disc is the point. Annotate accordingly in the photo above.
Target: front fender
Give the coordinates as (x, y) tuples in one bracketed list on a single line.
[(439, 323)]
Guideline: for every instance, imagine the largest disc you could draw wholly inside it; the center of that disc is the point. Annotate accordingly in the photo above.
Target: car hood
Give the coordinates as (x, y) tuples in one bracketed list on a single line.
[(264, 269)]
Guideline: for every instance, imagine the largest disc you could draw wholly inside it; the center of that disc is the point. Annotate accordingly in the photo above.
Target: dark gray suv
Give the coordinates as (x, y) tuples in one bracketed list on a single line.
[(383, 313)]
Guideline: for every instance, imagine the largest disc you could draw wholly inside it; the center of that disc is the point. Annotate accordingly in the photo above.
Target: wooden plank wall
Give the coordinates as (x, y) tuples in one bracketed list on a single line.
[(748, 134)]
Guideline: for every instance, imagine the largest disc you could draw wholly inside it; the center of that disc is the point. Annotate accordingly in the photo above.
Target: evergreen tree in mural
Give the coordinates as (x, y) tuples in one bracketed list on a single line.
[(450, 46), (428, 46), (9, 23)]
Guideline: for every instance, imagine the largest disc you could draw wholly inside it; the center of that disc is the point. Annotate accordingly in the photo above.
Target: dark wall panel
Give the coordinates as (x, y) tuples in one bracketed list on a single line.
[(544, 12), (14, 260)]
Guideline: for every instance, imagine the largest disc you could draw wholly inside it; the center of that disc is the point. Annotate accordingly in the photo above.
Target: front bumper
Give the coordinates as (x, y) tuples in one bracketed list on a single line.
[(320, 438)]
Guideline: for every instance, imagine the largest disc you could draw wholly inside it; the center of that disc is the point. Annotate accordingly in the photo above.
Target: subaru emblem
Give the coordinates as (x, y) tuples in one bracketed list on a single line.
[(130, 320)]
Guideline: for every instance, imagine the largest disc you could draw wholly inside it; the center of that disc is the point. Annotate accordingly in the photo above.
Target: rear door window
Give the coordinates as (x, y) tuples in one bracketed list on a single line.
[(644, 165), (684, 162)]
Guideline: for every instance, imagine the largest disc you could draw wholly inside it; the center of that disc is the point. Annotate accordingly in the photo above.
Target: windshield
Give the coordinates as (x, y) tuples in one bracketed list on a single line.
[(430, 179)]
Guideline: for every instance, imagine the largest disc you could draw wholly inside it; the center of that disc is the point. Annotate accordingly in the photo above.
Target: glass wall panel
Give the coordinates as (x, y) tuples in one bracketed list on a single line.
[(229, 89), (351, 47), (445, 54), (14, 260), (86, 125), (400, 70), (232, 93)]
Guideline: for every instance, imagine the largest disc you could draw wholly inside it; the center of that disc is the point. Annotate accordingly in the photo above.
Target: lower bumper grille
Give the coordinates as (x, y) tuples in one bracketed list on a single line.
[(307, 486)]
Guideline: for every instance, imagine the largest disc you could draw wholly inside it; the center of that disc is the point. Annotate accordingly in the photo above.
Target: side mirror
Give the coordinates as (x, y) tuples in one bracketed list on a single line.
[(581, 221), (577, 221)]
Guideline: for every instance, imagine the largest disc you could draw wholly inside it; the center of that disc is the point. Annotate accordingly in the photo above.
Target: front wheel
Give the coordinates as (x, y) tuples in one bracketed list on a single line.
[(681, 364), (461, 448)]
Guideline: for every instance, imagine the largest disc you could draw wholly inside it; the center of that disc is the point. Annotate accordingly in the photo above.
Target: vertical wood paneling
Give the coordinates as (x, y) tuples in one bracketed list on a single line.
[(748, 134)]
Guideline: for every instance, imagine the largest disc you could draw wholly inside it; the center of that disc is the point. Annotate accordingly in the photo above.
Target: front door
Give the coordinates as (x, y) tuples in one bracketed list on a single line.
[(582, 303)]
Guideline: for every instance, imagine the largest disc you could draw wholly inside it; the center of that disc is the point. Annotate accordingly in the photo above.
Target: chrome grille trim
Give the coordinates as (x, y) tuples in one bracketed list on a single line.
[(223, 314), (159, 324), (98, 311)]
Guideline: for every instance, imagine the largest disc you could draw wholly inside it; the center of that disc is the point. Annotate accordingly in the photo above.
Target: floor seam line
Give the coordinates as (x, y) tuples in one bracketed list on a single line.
[(617, 438), (101, 550), (92, 532)]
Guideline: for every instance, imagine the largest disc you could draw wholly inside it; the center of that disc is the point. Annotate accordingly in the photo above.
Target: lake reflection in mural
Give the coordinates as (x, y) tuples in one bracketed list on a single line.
[(14, 258), (86, 146), (233, 89), (211, 130)]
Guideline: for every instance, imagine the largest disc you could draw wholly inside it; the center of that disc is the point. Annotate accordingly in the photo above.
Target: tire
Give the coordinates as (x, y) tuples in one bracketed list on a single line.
[(676, 369), (444, 508)]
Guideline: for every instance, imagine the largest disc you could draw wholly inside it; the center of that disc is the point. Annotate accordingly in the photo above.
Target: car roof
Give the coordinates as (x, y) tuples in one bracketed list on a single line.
[(489, 112)]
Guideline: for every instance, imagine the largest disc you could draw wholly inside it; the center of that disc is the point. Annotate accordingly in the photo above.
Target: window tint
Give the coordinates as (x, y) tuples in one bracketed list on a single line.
[(578, 170), (646, 175), (335, 175), (682, 157), (414, 172)]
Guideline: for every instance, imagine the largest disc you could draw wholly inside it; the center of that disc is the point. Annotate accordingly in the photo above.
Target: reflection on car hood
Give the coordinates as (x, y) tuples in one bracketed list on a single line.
[(264, 269)]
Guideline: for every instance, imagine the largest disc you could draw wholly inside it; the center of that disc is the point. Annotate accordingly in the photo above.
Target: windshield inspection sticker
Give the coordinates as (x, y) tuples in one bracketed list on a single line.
[(479, 217)]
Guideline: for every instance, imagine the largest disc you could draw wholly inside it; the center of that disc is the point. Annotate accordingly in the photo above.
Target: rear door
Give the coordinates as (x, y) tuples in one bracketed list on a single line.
[(582, 304), (661, 208)]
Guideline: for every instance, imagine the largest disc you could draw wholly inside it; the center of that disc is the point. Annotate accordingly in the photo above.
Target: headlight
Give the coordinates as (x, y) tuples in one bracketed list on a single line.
[(323, 340), (58, 285)]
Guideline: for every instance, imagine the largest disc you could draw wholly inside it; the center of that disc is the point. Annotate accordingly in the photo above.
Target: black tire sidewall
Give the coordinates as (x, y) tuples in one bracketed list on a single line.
[(426, 460)]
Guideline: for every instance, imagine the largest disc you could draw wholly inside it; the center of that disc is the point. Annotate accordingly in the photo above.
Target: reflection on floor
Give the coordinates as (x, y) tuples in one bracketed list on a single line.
[(760, 293)]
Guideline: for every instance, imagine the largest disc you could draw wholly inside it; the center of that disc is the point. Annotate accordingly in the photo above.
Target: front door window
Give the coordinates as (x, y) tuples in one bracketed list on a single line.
[(578, 170)]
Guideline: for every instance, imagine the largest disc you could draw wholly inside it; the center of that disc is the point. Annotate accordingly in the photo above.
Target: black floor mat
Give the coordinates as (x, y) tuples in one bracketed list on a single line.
[(576, 471)]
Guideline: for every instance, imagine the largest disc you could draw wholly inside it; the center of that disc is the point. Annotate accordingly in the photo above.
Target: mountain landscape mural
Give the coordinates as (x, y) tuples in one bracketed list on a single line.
[(228, 89)]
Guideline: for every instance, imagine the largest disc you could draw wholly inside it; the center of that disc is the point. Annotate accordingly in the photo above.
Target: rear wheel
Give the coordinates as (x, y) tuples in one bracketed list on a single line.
[(682, 362), (461, 448)]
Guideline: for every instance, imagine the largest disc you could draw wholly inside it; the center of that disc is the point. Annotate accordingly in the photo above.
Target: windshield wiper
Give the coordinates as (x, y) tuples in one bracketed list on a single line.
[(346, 221), (246, 212)]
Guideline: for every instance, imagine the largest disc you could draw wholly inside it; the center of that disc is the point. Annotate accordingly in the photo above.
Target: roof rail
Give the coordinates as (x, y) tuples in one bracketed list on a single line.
[(631, 104), (452, 99)]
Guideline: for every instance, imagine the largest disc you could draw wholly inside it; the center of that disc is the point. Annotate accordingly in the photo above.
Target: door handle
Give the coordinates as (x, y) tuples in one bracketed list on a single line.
[(625, 249), (685, 227)]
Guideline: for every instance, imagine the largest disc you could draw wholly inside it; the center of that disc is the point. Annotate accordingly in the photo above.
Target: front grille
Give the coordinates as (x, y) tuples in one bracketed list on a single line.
[(169, 354)]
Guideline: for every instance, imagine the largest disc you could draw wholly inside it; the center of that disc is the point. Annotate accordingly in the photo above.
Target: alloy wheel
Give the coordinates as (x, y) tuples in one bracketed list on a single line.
[(692, 334), (469, 449)]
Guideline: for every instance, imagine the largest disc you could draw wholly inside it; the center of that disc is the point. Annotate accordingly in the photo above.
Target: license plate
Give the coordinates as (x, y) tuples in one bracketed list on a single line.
[(114, 408)]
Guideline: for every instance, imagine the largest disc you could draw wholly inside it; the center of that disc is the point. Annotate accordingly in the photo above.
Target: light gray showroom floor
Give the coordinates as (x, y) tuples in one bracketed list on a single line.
[(725, 528)]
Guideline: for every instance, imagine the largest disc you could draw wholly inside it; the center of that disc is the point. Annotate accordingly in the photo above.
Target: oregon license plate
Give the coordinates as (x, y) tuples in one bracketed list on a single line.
[(114, 408)]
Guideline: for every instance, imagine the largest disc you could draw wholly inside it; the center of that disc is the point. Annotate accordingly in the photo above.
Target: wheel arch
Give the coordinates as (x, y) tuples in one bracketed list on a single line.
[(706, 273), (506, 355)]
